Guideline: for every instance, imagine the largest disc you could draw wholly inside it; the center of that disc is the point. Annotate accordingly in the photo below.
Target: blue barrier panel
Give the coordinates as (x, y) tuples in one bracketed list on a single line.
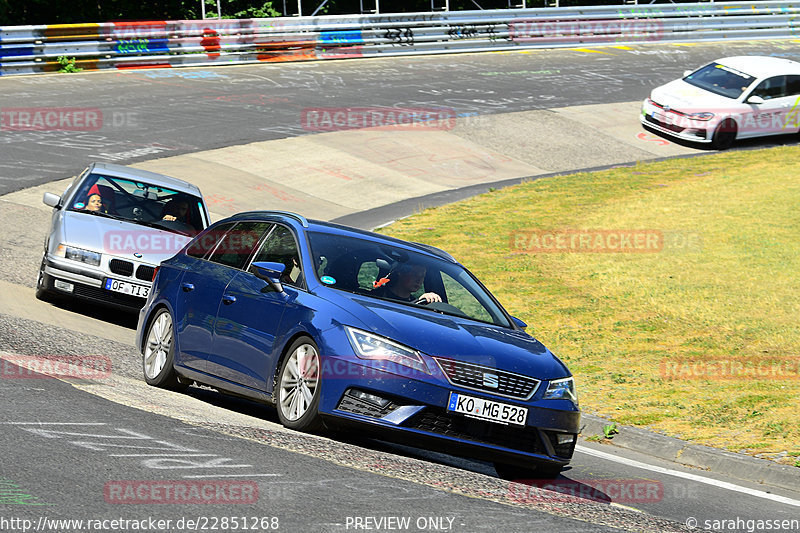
[(138, 46), (341, 37), (11, 50)]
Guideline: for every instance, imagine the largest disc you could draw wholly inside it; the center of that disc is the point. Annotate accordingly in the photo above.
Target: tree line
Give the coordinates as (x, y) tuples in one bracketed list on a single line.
[(18, 12)]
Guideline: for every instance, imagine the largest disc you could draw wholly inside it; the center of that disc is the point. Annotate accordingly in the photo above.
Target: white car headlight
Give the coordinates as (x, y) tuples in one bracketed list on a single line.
[(78, 254), (370, 346), (701, 116), (561, 389)]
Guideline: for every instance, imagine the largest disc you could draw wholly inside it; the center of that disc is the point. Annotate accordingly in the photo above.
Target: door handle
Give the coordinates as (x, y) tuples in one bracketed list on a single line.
[(228, 300), (187, 287)]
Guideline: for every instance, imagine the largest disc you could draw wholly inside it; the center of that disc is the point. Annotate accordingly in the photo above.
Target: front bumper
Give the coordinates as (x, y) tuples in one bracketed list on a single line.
[(417, 415), (676, 124), (67, 278)]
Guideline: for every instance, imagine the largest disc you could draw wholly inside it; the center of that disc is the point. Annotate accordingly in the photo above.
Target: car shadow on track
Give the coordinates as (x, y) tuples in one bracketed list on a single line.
[(118, 317), (756, 143), (268, 413)]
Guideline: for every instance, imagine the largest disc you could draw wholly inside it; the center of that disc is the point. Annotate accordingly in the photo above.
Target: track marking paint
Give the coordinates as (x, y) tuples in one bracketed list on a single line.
[(689, 476)]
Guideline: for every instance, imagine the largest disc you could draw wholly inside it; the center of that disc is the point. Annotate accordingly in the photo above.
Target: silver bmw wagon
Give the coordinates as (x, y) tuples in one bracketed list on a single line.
[(111, 229)]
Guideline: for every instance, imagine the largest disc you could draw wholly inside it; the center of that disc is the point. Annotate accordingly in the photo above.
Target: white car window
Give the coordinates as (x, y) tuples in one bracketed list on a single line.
[(774, 87), (793, 85)]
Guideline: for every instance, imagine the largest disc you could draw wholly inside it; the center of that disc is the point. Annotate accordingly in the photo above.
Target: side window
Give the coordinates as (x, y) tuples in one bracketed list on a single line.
[(460, 297), (207, 241), (281, 247), (774, 87), (367, 274), (236, 246), (793, 85)]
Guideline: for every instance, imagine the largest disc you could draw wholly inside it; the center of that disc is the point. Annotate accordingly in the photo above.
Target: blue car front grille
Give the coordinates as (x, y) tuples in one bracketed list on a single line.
[(487, 379), (440, 422)]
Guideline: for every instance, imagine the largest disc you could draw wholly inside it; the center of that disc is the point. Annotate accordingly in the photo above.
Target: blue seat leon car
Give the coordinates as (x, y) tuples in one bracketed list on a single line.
[(338, 327)]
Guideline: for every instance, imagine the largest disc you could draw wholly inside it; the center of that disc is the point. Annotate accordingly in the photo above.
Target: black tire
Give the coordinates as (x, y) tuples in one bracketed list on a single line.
[(298, 387), (41, 285), (158, 353), (724, 135), (521, 473)]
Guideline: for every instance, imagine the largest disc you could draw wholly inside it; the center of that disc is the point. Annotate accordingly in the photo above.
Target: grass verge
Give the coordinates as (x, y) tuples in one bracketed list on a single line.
[(696, 336)]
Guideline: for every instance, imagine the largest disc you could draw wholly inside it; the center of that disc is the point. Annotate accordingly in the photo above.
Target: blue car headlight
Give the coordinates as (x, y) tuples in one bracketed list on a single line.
[(561, 389), (374, 347)]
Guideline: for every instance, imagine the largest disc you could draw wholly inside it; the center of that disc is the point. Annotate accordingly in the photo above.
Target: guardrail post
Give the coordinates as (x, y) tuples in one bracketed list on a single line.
[(203, 10), (377, 9)]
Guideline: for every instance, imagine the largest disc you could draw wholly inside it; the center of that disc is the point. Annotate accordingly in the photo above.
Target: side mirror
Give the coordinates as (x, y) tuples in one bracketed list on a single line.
[(520, 324), (53, 200), (757, 100), (269, 272), (687, 72)]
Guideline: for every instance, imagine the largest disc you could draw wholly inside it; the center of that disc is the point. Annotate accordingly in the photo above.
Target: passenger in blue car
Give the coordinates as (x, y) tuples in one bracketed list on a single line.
[(403, 283)]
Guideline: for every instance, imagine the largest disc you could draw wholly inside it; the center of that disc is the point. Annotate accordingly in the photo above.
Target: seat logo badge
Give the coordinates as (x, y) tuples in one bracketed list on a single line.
[(490, 381)]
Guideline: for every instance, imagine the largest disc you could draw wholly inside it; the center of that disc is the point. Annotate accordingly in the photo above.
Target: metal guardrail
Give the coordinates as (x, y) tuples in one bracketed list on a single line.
[(121, 45)]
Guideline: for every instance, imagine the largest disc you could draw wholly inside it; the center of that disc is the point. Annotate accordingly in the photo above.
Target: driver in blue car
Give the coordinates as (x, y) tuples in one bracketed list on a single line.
[(402, 284)]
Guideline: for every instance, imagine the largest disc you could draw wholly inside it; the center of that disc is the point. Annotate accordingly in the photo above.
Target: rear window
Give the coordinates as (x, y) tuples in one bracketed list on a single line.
[(238, 244), (207, 241)]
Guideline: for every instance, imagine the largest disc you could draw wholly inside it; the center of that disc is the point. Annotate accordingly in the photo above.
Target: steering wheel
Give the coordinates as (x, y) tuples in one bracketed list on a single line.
[(442, 307)]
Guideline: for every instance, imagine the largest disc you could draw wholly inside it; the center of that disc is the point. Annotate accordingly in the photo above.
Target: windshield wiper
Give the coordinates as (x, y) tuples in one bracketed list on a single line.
[(156, 224), (101, 214)]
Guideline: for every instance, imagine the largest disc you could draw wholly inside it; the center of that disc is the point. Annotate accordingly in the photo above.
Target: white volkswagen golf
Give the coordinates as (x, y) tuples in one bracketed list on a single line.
[(729, 99)]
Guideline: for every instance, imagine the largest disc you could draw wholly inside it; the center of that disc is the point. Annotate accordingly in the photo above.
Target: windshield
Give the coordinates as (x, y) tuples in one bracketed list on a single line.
[(387, 272), (141, 203), (721, 80)]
